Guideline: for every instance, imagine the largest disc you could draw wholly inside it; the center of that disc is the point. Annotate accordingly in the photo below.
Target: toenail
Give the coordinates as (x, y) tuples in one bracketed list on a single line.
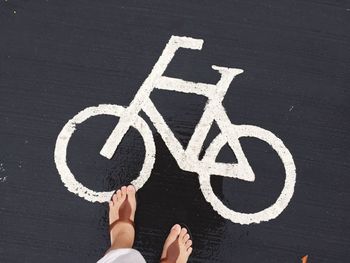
[(175, 227)]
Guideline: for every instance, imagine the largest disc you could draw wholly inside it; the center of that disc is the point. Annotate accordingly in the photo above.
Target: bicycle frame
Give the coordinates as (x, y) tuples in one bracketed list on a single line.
[(187, 159)]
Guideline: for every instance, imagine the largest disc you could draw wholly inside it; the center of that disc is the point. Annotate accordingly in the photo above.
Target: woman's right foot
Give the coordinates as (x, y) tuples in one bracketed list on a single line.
[(177, 247)]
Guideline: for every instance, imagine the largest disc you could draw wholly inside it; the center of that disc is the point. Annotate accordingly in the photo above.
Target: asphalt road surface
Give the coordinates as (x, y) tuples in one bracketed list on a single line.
[(58, 58)]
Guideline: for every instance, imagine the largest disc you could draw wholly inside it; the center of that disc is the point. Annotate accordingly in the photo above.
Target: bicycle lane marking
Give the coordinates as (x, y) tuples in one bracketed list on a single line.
[(90, 195)]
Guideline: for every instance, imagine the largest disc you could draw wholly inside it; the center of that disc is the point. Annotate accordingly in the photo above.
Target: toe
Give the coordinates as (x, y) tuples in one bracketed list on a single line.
[(173, 235), (123, 191), (186, 237), (183, 233), (188, 243), (176, 228), (110, 204), (189, 250), (119, 194), (115, 198), (131, 193), (174, 232), (131, 189)]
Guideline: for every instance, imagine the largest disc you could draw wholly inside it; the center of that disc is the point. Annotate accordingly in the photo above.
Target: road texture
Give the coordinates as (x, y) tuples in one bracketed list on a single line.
[(60, 57)]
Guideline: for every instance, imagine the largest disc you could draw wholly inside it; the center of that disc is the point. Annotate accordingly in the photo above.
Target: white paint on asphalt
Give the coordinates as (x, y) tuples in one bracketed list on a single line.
[(187, 159)]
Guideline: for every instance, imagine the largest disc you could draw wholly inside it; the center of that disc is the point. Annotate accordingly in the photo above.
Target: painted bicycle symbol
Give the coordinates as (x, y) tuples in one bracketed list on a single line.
[(187, 159)]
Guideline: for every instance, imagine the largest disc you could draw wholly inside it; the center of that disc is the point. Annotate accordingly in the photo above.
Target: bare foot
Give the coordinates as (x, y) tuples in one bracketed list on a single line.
[(177, 247), (122, 210)]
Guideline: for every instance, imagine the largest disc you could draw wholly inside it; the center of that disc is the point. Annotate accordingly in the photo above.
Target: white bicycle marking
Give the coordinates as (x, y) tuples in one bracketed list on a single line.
[(187, 159)]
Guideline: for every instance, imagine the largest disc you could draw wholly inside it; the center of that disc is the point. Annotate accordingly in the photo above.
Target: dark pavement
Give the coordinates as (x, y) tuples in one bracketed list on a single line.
[(60, 57)]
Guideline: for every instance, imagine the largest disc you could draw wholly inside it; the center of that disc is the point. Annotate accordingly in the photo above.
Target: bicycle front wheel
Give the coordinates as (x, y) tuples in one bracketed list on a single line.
[(66, 133), (290, 175)]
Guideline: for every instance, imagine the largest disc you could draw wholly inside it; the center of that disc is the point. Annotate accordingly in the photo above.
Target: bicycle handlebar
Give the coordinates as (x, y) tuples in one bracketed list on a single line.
[(186, 42)]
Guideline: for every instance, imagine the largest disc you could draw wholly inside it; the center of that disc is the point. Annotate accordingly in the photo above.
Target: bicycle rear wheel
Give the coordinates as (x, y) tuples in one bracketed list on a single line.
[(66, 133)]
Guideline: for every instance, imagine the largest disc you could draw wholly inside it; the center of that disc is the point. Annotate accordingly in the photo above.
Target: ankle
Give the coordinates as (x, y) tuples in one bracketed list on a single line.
[(123, 239)]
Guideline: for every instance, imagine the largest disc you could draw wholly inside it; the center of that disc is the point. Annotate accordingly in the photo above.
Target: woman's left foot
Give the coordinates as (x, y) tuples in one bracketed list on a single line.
[(122, 210)]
